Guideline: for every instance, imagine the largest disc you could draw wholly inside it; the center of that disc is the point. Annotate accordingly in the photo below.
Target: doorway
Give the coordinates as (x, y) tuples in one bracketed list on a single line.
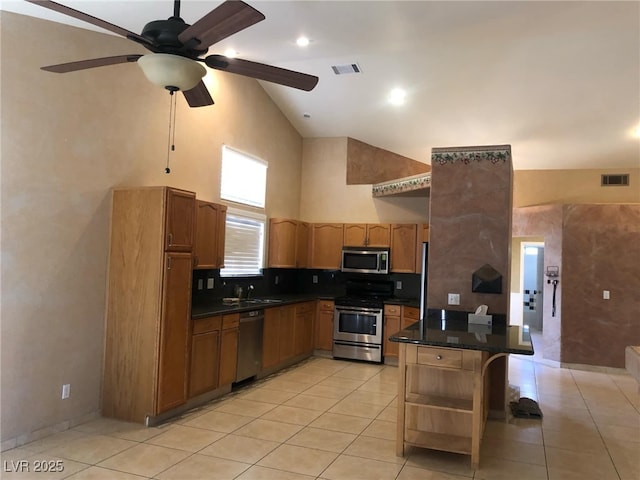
[(532, 282)]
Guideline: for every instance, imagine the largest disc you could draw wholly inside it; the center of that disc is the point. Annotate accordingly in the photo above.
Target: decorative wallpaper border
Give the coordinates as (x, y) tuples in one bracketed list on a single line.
[(494, 154), (402, 185)]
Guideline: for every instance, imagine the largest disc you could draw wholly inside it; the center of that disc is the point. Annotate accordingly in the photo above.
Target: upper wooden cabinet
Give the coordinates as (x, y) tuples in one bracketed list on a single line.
[(326, 245), (148, 304), (302, 245), (295, 244), (403, 247), (209, 237), (288, 243), (370, 234), (423, 236), (179, 220), (425, 232)]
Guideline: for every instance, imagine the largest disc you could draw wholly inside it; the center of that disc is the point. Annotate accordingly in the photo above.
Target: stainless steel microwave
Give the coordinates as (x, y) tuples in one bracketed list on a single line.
[(365, 259)]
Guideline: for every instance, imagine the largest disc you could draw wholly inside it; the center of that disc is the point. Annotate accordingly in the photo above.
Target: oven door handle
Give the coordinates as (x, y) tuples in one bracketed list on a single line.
[(359, 310)]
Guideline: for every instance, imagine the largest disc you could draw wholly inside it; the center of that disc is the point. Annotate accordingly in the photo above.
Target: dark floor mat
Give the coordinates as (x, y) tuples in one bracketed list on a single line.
[(525, 408)]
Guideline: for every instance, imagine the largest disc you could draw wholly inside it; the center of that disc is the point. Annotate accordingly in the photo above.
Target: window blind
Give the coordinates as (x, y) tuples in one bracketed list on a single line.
[(244, 244)]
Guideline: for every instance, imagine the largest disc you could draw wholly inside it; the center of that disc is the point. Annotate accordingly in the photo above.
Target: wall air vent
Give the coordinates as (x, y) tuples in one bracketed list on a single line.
[(344, 69), (615, 180)]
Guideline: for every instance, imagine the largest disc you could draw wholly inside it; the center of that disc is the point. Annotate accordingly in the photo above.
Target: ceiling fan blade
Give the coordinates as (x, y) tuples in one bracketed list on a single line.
[(198, 96), (93, 63), (226, 19), (56, 7), (261, 71)]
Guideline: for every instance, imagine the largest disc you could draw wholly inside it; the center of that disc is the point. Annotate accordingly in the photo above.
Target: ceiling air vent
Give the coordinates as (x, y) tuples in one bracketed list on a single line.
[(344, 69), (615, 180)]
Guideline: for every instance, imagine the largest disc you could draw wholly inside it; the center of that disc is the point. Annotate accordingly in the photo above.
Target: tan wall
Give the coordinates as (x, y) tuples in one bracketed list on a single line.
[(541, 187), (326, 197), (600, 251), (66, 141)]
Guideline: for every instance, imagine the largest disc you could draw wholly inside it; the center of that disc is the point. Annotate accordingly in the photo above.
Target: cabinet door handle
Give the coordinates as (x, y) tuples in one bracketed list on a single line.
[(169, 263), (170, 239), (438, 357)]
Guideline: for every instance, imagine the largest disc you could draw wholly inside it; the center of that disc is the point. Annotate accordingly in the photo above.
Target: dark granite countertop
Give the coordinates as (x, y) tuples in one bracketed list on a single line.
[(219, 308), (444, 328), (409, 302)]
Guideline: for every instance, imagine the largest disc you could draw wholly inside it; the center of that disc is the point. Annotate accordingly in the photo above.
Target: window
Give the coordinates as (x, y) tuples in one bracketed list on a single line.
[(244, 178), (244, 244)]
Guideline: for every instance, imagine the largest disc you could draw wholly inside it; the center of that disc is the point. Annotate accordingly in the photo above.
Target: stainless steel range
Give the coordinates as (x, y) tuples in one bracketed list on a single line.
[(357, 322)]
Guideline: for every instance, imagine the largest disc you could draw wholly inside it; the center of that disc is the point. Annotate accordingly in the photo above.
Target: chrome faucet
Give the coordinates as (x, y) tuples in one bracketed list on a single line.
[(249, 290)]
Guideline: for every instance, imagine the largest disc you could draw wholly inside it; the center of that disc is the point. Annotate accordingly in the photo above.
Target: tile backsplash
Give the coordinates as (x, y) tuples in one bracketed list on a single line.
[(282, 281)]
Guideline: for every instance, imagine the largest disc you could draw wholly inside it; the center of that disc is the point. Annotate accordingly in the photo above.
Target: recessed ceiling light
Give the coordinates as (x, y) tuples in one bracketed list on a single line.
[(397, 96), (230, 53), (302, 41)]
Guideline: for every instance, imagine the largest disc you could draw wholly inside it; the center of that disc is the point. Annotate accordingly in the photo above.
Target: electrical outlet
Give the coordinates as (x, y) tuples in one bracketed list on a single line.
[(454, 299), (66, 390), (398, 285), (606, 295), (315, 279), (209, 283)]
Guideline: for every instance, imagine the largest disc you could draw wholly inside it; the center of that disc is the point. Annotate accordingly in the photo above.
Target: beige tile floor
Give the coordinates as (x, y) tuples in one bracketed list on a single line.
[(335, 420)]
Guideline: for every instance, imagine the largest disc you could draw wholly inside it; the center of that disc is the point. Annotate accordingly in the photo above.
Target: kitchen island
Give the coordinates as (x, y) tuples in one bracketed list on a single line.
[(444, 381)]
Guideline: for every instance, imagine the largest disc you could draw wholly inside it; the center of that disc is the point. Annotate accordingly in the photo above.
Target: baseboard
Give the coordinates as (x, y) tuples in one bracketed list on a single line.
[(46, 431)]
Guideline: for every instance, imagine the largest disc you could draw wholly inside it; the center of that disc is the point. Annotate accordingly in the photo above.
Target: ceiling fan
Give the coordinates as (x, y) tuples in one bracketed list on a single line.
[(177, 49)]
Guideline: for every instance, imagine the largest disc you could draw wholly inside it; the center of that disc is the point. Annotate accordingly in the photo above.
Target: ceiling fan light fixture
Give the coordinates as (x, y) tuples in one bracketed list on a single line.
[(172, 72)]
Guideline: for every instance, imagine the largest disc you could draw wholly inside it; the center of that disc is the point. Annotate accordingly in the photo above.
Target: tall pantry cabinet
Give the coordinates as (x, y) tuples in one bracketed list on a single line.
[(148, 302)]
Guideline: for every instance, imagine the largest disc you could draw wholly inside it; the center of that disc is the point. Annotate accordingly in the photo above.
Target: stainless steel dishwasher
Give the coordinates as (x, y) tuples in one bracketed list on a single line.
[(249, 344)]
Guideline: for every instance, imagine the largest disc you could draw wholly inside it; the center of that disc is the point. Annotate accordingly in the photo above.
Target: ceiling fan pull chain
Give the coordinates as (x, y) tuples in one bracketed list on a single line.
[(173, 133), (170, 146)]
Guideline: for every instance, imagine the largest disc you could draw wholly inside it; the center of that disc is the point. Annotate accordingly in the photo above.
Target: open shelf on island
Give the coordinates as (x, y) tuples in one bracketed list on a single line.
[(436, 401), (438, 441)]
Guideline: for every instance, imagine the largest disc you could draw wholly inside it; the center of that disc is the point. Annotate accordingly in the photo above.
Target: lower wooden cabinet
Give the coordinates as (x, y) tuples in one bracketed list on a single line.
[(287, 332), (214, 350), (323, 334), (229, 348), (409, 315), (286, 346), (303, 330), (271, 338), (396, 318), (205, 356), (391, 320)]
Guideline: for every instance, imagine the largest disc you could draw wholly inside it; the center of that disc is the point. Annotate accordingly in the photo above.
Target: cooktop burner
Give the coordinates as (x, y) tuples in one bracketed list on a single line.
[(362, 302), (365, 294)]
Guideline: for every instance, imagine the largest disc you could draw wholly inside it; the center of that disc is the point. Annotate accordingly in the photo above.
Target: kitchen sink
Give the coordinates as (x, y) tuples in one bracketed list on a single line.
[(262, 300)]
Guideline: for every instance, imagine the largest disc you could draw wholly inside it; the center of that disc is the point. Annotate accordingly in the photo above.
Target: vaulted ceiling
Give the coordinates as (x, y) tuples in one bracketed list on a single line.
[(559, 81)]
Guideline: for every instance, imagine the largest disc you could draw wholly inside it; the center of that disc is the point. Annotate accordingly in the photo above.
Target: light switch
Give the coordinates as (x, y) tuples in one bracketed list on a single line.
[(606, 295), (315, 279), (209, 283), (454, 299), (200, 284), (398, 285)]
